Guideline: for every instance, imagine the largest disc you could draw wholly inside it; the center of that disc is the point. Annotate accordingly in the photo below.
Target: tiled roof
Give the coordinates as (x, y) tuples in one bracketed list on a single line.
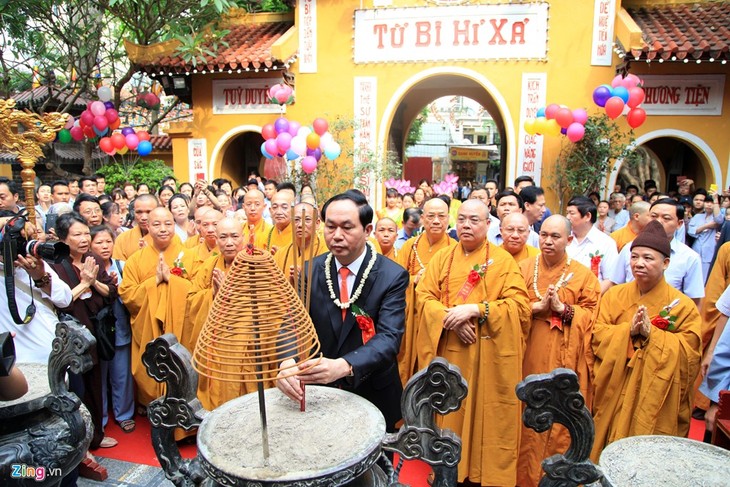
[(161, 143), (697, 31), (38, 96), (249, 46), (71, 152)]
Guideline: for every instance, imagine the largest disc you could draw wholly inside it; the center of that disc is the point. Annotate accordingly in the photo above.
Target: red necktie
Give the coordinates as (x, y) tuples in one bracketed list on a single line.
[(344, 298)]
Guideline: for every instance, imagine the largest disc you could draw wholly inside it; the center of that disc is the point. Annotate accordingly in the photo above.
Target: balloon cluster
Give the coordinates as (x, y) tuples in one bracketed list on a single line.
[(557, 119), (621, 93), (149, 100), (281, 94), (403, 186), (287, 138), (126, 140)]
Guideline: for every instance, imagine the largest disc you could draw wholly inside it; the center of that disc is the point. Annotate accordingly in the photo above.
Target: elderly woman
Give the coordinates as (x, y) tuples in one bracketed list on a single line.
[(92, 290)]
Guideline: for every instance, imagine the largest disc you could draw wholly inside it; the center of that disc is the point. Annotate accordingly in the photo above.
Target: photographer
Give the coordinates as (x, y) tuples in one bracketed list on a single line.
[(35, 282), (93, 292)]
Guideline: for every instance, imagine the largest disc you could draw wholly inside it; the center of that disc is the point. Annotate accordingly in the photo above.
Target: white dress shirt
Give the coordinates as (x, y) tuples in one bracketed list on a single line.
[(595, 242)]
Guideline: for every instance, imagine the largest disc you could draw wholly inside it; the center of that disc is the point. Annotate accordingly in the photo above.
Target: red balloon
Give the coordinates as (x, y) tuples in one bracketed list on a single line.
[(89, 132), (143, 135), (268, 131), (87, 118), (111, 115), (105, 144), (100, 122), (551, 110), (118, 141), (636, 97), (614, 107), (636, 117), (320, 126), (77, 133), (564, 117)]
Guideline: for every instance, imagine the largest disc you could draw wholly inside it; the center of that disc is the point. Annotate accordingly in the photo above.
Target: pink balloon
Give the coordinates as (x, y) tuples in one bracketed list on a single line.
[(309, 164), (636, 96), (111, 115), (132, 141), (98, 108), (268, 131), (273, 90), (551, 110), (283, 141), (614, 107), (77, 133), (299, 145), (320, 126), (617, 80), (69, 122), (294, 128), (87, 118), (575, 132), (630, 81), (100, 122), (282, 95), (580, 116), (270, 146)]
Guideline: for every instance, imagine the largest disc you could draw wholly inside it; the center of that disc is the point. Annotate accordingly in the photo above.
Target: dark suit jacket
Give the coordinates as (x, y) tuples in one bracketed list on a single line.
[(374, 364)]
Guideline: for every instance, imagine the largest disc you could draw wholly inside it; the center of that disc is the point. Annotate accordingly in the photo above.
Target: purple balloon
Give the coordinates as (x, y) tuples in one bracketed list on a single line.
[(127, 131), (109, 104), (281, 125), (316, 153), (601, 95), (294, 127), (563, 131)]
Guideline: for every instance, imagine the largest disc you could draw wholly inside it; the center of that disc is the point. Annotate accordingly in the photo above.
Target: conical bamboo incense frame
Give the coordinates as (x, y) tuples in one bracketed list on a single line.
[(256, 321)]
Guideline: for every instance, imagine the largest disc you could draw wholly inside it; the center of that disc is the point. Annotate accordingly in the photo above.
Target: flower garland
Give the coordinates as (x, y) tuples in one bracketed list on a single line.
[(480, 273), (358, 291), (560, 283)]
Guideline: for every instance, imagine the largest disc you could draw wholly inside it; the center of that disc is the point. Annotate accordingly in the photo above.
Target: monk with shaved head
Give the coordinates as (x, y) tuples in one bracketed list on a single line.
[(564, 299), (152, 289), (195, 257), (306, 223), (279, 236), (414, 256), (515, 228), (256, 230), (473, 310), (132, 240)]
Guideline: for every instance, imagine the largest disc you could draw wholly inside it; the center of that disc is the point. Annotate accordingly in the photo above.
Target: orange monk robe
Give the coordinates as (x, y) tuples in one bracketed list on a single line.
[(643, 387), (154, 309), (396, 214), (284, 257), (717, 282), (549, 348), (260, 233), (392, 255), (414, 259), (194, 258), (526, 252), (211, 392), (488, 421), (127, 243), (193, 241), (623, 235), (278, 239)]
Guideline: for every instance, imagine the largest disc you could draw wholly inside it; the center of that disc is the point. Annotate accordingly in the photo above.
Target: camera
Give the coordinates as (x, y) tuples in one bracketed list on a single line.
[(12, 235)]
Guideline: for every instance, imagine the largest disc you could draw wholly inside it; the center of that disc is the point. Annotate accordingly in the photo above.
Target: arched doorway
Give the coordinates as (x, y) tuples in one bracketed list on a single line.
[(241, 155), (667, 156), (450, 150)]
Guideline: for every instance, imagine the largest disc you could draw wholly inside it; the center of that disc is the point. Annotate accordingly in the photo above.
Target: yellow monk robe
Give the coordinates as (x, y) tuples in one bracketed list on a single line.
[(548, 349), (526, 252), (647, 391), (193, 241), (623, 235), (276, 239), (414, 258), (396, 214), (261, 234), (127, 243), (194, 258), (392, 255), (717, 282), (488, 421), (154, 309), (284, 258)]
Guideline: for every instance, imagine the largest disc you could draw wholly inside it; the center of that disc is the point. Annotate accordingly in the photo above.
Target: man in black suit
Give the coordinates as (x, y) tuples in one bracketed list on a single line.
[(356, 357)]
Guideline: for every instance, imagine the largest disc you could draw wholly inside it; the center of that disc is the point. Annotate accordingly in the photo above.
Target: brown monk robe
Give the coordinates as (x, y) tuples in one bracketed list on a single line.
[(137, 237), (254, 206), (206, 283), (153, 295), (285, 256), (564, 296), (646, 342), (279, 235), (414, 256), (475, 319), (717, 282)]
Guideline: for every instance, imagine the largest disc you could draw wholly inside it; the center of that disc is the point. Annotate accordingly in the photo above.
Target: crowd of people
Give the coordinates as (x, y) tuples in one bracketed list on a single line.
[(629, 293)]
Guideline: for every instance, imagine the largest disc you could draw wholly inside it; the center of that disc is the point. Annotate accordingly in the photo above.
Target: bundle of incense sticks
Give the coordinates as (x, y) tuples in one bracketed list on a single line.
[(303, 287)]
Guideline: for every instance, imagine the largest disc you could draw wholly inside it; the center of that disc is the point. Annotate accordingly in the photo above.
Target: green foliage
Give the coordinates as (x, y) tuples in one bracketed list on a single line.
[(414, 134), (583, 166), (135, 170)]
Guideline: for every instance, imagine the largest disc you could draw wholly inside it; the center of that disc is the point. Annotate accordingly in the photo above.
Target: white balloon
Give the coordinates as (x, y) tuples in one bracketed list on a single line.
[(325, 139), (104, 93), (304, 131)]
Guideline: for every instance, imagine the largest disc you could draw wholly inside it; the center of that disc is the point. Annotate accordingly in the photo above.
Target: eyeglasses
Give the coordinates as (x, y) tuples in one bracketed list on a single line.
[(510, 230), (92, 211), (474, 220)]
